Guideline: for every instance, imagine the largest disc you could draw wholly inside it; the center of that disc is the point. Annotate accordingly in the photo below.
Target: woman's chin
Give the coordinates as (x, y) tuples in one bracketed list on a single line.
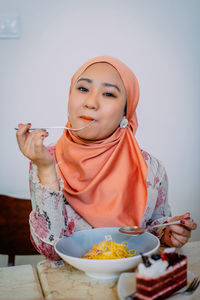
[(85, 135)]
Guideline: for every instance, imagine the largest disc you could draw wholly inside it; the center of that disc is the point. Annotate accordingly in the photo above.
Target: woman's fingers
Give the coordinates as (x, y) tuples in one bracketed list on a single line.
[(178, 240), (178, 235), (189, 224), (179, 229), (184, 216), (175, 238), (30, 143), (22, 129), (21, 134), (36, 150), (34, 144)]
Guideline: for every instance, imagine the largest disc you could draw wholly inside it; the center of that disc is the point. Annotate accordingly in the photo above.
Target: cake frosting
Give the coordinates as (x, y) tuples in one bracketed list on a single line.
[(157, 268)]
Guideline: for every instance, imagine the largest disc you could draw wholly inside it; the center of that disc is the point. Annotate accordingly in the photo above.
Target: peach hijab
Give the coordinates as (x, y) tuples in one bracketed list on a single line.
[(105, 180)]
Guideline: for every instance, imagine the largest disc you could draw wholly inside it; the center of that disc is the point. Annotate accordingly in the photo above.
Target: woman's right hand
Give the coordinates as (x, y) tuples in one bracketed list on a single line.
[(31, 145)]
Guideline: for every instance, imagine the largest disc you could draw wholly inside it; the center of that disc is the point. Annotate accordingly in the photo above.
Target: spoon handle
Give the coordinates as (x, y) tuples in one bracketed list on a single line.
[(164, 224), (61, 127)]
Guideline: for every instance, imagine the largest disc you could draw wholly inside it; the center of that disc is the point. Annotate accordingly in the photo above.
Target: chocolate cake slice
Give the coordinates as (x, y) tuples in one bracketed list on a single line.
[(161, 275)]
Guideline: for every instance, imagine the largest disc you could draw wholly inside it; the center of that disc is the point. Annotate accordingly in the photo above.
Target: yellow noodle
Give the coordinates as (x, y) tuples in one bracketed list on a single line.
[(109, 250)]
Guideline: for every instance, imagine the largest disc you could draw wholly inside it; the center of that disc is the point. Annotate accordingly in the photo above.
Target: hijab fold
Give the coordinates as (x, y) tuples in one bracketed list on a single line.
[(105, 181)]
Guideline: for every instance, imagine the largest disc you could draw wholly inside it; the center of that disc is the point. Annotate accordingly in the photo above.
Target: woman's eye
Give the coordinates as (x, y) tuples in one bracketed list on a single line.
[(109, 95), (82, 89)]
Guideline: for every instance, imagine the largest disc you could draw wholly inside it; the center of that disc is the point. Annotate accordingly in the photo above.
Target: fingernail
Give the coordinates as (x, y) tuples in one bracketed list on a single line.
[(28, 123), (42, 135), (182, 222), (170, 232), (170, 236)]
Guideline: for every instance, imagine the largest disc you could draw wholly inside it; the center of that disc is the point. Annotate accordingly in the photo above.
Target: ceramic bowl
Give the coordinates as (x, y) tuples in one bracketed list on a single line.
[(70, 249)]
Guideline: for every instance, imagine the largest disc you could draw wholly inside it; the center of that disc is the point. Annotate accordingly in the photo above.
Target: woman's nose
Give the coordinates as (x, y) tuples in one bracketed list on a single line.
[(91, 101)]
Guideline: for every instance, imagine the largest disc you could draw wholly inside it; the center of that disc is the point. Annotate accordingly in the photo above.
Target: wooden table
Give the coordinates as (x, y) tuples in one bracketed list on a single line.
[(67, 283)]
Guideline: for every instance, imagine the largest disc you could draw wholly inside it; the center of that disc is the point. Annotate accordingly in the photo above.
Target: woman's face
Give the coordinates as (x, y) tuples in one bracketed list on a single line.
[(98, 94)]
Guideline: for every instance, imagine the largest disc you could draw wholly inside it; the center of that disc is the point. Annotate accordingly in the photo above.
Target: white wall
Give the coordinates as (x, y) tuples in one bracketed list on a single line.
[(158, 39)]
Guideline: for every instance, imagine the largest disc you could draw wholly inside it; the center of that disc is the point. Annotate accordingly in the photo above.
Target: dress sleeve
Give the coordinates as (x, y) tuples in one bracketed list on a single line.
[(162, 210), (51, 217), (157, 209), (47, 219)]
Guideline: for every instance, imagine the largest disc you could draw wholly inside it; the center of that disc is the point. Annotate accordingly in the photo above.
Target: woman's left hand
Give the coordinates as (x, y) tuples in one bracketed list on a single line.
[(178, 235)]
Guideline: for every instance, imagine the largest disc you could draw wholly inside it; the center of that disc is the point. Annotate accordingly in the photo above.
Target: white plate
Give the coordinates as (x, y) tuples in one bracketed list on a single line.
[(127, 285)]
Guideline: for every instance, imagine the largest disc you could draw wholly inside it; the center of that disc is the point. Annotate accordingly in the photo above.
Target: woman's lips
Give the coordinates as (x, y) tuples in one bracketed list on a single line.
[(87, 118)]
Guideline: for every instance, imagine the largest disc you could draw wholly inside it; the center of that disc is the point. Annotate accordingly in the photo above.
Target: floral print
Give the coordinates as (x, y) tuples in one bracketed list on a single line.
[(52, 217), (39, 225)]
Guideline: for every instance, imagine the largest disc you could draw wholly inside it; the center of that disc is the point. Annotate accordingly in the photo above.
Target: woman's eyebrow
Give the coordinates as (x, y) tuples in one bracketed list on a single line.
[(112, 85), (85, 79), (104, 83)]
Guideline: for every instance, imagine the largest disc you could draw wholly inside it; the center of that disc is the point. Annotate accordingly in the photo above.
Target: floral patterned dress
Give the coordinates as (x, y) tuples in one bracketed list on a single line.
[(52, 217)]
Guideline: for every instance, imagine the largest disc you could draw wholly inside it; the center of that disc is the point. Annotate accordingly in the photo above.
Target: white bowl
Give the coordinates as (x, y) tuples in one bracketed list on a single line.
[(70, 249)]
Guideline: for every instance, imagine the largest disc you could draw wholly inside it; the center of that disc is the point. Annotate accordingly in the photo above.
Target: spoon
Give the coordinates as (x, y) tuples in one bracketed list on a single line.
[(139, 230)]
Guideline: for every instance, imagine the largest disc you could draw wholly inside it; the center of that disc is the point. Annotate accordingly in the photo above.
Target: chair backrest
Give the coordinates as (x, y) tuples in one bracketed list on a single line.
[(14, 227)]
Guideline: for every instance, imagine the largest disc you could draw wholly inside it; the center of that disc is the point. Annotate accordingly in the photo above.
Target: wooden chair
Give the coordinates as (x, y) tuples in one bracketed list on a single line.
[(14, 228)]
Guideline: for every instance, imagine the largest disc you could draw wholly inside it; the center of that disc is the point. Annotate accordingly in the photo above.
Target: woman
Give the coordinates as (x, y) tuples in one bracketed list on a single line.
[(97, 176)]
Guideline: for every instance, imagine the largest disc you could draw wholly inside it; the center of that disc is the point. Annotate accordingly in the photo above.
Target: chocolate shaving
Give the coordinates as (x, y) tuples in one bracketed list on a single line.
[(145, 260)]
